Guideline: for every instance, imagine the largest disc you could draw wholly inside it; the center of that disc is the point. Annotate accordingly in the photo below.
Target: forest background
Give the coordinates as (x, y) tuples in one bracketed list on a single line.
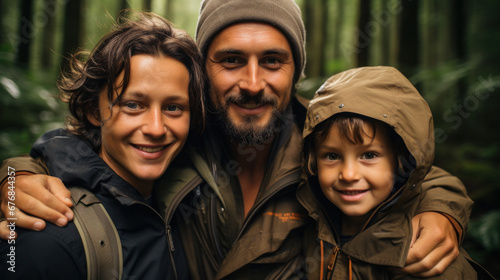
[(449, 49)]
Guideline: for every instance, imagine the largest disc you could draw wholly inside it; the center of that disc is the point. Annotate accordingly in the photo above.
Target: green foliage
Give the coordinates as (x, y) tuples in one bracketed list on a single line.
[(29, 108), (482, 240)]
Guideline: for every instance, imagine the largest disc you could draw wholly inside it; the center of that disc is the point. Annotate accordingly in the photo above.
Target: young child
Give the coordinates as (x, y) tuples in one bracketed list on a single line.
[(132, 103), (368, 143)]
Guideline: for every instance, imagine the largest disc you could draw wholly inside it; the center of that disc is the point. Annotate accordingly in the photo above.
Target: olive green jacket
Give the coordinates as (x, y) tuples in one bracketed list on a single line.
[(384, 94)]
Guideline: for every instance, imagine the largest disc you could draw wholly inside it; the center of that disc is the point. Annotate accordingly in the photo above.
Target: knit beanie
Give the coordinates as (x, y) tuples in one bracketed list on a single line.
[(285, 15)]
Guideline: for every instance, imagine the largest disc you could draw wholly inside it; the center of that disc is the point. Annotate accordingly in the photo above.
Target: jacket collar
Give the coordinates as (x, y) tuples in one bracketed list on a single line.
[(73, 161)]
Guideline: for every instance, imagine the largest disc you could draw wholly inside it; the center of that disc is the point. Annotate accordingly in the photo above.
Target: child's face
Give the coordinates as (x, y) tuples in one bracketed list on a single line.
[(143, 133), (356, 177)]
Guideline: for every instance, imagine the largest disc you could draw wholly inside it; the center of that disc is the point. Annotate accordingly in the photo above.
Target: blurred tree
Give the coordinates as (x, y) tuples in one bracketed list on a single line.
[(169, 13), (408, 58), (146, 5), (49, 32), (315, 16), (364, 32), (124, 5), (74, 18), (3, 36), (26, 33)]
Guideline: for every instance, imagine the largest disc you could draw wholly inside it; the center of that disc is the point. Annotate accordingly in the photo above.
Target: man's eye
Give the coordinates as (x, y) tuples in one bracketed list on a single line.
[(272, 60), (231, 60)]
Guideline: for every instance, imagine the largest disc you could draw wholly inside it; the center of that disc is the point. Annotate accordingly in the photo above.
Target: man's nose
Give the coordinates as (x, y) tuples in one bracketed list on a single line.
[(253, 81)]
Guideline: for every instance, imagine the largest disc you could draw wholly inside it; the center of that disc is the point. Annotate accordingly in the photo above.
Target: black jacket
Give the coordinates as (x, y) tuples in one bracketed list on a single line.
[(57, 253)]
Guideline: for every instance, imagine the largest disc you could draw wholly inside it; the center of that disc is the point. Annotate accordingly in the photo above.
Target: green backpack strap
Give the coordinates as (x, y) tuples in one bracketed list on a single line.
[(101, 242)]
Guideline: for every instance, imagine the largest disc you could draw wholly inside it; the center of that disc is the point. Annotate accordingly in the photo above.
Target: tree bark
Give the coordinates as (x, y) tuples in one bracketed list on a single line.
[(363, 33), (146, 5), (314, 11), (409, 42), (26, 33), (339, 20), (73, 28), (49, 31)]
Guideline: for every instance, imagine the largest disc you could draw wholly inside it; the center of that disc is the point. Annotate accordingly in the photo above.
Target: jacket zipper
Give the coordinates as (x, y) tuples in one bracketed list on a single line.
[(169, 213), (213, 228), (331, 262), (167, 227), (176, 201)]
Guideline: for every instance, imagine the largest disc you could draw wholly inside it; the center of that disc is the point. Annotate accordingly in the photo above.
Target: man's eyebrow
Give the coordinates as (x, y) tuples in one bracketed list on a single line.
[(278, 51), (227, 51)]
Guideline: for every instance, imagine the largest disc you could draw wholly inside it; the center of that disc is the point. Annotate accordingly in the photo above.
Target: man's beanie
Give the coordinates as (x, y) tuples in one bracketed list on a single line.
[(285, 15)]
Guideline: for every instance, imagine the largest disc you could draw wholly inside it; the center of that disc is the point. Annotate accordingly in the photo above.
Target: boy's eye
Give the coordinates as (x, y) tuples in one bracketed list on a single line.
[(173, 108), (131, 105), (332, 156), (369, 155)]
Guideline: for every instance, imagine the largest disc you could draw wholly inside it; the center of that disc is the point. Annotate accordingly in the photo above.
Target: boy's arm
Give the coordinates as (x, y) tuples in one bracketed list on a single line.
[(39, 195), (442, 215)]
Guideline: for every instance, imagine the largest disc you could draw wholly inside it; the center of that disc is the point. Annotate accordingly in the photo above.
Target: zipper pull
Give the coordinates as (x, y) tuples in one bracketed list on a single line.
[(170, 240), (331, 262)]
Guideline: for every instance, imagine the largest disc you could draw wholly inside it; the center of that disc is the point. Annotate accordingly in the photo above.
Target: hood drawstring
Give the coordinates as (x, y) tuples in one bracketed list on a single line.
[(350, 268), (331, 262), (322, 261)]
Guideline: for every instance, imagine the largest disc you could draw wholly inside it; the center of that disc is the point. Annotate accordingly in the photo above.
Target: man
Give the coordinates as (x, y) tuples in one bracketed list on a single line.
[(233, 194)]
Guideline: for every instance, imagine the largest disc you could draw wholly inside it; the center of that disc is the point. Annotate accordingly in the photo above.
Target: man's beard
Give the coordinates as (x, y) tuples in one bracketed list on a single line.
[(249, 133)]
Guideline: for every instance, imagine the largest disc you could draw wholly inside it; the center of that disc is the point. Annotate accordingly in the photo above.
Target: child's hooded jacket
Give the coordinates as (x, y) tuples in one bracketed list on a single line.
[(384, 94)]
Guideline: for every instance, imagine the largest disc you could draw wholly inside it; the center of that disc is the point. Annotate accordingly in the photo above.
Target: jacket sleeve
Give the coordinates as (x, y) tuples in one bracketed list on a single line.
[(22, 165), (444, 193), (41, 255)]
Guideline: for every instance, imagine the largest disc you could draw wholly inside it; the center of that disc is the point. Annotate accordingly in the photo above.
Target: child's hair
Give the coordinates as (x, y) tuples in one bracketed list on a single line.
[(135, 33), (350, 126)]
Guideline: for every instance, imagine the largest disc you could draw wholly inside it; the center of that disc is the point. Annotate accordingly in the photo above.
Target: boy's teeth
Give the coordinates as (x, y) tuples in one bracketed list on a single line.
[(351, 192), (150, 149)]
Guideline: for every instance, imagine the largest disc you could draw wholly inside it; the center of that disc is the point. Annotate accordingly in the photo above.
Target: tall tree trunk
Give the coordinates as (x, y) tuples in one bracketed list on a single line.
[(315, 25), (385, 44), (3, 36), (26, 33), (49, 32), (459, 23), (124, 5), (363, 32), (431, 35), (146, 5), (408, 48), (73, 28), (338, 23), (169, 10)]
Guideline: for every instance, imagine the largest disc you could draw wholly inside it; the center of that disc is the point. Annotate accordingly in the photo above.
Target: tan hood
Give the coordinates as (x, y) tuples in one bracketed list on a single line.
[(381, 93)]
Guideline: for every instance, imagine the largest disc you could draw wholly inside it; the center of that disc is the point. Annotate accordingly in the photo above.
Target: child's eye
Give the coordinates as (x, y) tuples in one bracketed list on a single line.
[(369, 155), (332, 156)]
